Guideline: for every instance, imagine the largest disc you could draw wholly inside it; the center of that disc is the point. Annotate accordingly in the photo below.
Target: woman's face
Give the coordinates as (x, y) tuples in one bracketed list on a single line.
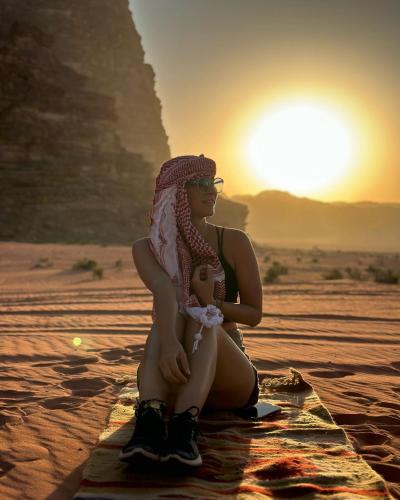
[(202, 203)]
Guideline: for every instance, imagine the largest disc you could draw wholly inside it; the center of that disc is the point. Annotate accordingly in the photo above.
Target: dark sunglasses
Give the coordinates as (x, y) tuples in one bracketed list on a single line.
[(205, 184)]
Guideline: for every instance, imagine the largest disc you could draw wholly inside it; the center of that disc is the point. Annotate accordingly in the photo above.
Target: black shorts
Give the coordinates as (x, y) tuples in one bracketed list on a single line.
[(237, 336)]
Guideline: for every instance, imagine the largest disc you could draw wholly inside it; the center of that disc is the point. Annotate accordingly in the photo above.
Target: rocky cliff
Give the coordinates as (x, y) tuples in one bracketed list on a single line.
[(98, 40), (81, 134), (80, 124)]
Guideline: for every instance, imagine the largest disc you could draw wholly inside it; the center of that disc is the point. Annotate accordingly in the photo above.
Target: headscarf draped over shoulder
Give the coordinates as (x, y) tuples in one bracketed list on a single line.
[(177, 244)]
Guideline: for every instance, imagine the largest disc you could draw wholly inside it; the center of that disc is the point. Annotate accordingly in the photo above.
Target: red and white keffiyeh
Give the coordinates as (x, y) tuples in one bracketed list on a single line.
[(177, 244)]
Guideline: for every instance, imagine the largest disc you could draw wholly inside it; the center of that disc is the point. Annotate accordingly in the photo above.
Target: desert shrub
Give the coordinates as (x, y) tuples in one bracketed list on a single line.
[(266, 258), (97, 273), (386, 276), (273, 272), (118, 264), (333, 274), (43, 262), (278, 266), (354, 273), (382, 275), (270, 275), (299, 259), (85, 265), (371, 269), (315, 259)]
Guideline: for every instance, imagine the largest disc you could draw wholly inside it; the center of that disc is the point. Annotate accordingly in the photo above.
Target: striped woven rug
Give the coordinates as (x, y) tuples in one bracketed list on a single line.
[(299, 453)]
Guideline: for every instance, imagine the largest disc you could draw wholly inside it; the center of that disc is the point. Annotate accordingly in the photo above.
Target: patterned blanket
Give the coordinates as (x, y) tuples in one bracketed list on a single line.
[(299, 453)]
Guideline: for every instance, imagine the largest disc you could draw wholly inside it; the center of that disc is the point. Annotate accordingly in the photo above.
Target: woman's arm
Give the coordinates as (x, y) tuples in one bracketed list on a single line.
[(249, 311), (172, 361), (160, 284)]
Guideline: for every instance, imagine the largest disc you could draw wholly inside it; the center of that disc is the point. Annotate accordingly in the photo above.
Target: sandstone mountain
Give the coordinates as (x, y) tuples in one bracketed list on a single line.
[(278, 218), (98, 40), (81, 133)]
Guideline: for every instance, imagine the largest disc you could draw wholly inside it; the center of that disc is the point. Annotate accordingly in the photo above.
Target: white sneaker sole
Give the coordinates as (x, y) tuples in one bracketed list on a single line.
[(137, 453), (174, 458)]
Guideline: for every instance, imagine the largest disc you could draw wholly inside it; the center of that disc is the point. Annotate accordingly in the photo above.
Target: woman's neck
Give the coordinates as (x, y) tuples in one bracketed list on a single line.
[(202, 225)]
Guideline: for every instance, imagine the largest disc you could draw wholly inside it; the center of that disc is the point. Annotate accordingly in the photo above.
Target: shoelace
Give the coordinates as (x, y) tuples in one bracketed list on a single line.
[(186, 424)]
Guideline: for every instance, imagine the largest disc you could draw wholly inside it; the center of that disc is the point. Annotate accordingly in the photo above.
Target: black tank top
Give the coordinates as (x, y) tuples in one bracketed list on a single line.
[(231, 285)]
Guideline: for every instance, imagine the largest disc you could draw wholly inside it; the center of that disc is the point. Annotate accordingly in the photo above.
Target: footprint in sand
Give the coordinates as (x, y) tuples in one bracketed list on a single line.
[(114, 354), (85, 386), (75, 361), (70, 370), (81, 360), (8, 395), (86, 393), (76, 365), (330, 373), (61, 402), (43, 364), (13, 394)]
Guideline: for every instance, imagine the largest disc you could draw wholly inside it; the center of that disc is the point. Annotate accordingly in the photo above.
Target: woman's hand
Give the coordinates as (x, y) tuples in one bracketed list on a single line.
[(202, 284), (173, 362)]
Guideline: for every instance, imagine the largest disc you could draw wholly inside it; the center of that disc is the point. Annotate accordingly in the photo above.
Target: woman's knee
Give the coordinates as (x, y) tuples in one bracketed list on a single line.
[(193, 327)]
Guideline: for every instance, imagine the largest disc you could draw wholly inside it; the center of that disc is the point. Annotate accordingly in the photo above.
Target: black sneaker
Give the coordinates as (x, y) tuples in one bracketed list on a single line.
[(145, 445), (181, 444)]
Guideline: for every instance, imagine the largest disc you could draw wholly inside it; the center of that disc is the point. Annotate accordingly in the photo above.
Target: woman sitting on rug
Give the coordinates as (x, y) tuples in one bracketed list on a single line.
[(194, 355)]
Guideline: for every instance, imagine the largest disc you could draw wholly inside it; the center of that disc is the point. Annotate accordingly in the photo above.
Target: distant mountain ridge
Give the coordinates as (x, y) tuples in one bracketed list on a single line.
[(279, 218), (365, 204)]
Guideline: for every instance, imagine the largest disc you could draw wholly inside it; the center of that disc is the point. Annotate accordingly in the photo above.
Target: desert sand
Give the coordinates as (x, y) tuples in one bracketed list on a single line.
[(68, 338)]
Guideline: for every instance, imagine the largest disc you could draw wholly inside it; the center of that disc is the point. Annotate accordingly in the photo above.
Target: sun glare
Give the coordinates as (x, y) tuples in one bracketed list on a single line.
[(301, 147)]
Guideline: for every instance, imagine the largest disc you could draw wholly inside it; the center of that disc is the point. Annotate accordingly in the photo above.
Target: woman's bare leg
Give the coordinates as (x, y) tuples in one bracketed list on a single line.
[(224, 385), (202, 367), (212, 380), (151, 383), (234, 376)]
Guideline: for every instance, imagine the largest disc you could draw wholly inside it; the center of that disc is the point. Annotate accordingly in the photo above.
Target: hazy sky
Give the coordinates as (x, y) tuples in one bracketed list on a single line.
[(221, 64)]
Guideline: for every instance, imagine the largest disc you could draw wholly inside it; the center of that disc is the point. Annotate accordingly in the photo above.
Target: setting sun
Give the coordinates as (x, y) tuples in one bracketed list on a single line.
[(301, 146)]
